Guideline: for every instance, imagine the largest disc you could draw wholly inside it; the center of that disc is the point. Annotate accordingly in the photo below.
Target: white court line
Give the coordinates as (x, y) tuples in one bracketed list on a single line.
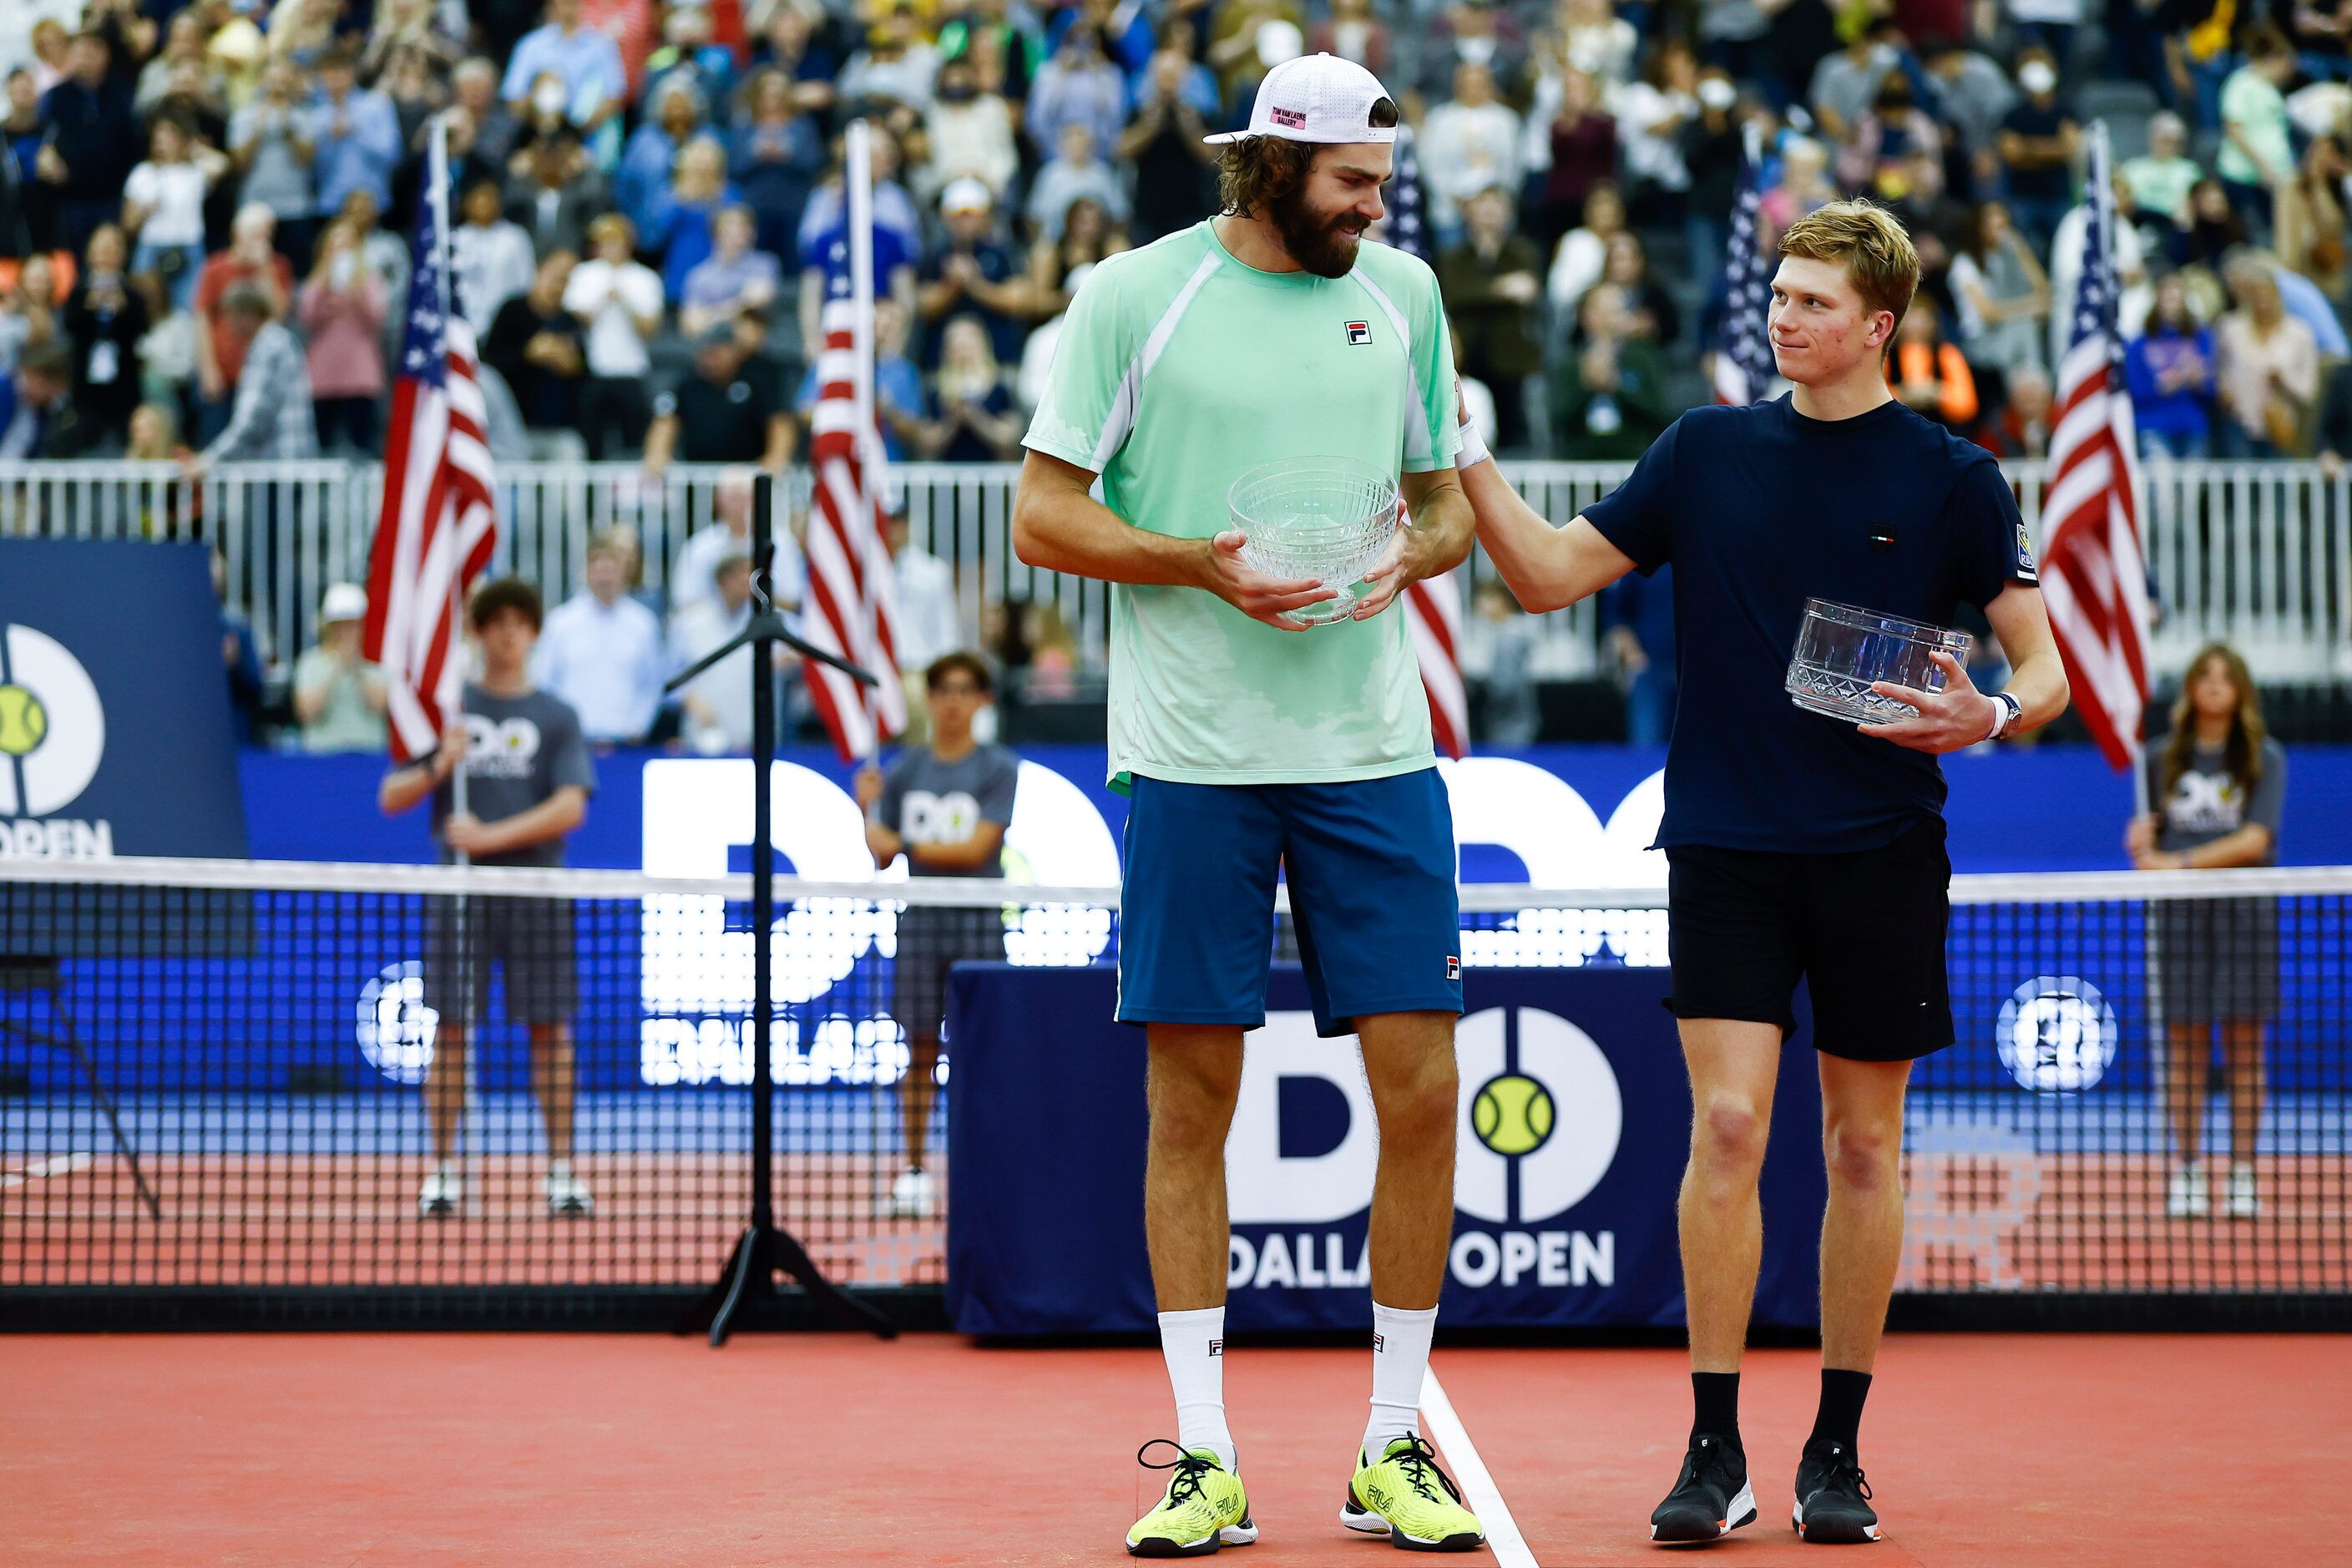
[(1478, 1489), (61, 1165)]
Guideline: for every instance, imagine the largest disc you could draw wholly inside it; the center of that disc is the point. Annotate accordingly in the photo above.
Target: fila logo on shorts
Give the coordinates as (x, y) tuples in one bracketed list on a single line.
[(1453, 967), (1358, 333), (1380, 1343), (1216, 1347)]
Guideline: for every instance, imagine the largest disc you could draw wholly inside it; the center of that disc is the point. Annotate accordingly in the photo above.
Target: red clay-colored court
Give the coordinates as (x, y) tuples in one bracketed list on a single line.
[(1983, 1450)]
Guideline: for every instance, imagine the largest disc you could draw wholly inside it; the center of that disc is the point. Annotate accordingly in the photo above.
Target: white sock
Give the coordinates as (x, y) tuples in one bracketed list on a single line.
[(448, 1170), (1195, 1345), (560, 1170), (1399, 1360)]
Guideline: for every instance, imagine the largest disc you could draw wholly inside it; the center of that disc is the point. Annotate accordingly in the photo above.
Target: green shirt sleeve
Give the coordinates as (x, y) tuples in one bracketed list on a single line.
[(1433, 363), (1077, 420)]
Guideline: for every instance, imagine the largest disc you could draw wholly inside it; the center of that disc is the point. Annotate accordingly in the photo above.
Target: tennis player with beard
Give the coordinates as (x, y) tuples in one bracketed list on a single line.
[(1251, 744), (1799, 845)]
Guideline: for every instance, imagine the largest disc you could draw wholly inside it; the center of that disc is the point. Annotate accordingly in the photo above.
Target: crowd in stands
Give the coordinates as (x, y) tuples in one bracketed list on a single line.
[(205, 206)]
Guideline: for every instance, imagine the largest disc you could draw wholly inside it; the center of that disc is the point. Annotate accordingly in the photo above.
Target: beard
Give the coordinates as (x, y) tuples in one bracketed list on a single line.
[(1324, 246)]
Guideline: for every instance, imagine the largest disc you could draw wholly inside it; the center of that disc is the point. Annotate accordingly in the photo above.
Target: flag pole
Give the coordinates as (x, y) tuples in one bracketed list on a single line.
[(2103, 212)]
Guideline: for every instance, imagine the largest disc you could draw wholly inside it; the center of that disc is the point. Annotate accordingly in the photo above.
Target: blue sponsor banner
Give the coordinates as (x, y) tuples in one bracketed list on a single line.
[(1575, 1121), (114, 720)]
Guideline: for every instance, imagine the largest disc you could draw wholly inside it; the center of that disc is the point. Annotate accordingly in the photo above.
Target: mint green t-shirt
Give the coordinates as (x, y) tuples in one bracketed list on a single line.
[(1178, 370)]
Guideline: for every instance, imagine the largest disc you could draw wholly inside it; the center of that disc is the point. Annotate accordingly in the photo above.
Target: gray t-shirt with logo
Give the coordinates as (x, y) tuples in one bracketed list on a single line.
[(2210, 803), (927, 801), (523, 750)]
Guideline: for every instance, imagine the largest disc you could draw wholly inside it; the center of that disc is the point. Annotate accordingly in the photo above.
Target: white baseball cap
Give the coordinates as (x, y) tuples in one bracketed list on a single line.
[(343, 602), (1315, 98)]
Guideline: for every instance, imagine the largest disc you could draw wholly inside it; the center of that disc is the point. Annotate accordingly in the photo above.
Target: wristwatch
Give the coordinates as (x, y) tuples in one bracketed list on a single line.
[(2011, 711)]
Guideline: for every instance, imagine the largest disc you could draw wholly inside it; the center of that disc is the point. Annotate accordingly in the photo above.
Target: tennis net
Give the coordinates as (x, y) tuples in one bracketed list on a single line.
[(220, 1084)]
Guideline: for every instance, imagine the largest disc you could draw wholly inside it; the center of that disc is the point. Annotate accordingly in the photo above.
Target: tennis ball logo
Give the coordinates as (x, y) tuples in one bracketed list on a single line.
[(1512, 1115), (22, 722)]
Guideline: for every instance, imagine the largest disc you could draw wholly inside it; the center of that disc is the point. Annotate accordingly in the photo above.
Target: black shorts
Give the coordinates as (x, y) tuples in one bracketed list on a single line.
[(528, 939), (1865, 930), (932, 941)]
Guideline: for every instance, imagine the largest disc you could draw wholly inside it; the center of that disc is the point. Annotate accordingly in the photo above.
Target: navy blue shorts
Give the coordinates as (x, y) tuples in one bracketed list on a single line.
[(1371, 868)]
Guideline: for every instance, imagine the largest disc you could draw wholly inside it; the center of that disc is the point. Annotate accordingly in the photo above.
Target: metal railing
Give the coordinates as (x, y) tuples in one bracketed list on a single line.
[(2258, 553)]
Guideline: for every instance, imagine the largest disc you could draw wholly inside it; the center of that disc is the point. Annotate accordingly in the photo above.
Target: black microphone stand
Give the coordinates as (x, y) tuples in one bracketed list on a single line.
[(747, 1284)]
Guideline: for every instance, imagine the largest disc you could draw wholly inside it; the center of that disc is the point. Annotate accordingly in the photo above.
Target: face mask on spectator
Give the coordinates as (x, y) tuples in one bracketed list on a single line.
[(547, 97), (1716, 93), (2036, 78)]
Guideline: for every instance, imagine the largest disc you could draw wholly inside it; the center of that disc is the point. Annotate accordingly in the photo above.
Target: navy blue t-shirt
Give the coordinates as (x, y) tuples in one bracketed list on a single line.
[(1759, 508)]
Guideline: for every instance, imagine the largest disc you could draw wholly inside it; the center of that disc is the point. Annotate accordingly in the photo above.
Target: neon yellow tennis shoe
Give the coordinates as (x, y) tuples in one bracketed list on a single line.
[(1204, 1506), (1408, 1499)]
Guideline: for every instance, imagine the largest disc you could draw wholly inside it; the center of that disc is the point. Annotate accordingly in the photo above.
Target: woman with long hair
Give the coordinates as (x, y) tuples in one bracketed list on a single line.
[(2169, 369), (2220, 789)]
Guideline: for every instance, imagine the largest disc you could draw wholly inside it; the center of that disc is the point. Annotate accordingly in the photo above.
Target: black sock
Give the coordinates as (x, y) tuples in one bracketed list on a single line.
[(1714, 1405), (1840, 1419)]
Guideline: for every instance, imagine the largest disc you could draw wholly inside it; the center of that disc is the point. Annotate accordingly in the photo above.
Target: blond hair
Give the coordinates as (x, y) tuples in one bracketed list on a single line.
[(1867, 241)]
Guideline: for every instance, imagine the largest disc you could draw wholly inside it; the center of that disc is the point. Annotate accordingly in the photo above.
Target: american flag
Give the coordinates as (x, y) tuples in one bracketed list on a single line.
[(439, 523), (852, 586), (1743, 351), (1433, 609), (2094, 569)]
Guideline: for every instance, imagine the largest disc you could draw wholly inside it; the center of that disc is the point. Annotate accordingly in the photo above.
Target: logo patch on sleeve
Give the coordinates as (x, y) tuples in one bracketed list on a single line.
[(1358, 333), (2025, 568)]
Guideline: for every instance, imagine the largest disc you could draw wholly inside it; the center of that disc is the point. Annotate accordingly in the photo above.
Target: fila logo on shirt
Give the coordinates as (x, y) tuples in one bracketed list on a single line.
[(1358, 333)]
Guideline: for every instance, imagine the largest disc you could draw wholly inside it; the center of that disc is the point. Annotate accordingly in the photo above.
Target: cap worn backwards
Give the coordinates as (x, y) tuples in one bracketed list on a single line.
[(1315, 98)]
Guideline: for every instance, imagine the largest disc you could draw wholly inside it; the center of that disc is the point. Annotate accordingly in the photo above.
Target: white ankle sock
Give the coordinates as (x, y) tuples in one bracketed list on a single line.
[(560, 1170), (1399, 1360), (1195, 1345)]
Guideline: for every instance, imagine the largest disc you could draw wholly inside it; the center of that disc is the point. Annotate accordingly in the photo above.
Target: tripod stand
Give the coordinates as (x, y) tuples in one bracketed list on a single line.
[(746, 1286)]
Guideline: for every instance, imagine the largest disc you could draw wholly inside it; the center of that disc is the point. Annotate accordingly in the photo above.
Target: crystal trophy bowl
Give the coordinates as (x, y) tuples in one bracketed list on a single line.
[(1842, 650), (1324, 518)]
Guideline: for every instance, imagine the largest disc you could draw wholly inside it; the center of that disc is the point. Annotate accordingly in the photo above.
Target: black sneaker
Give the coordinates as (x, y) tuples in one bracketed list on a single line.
[(1832, 1497), (1711, 1498)]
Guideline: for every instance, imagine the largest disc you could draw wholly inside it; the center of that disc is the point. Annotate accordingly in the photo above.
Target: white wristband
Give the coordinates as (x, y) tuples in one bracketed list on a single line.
[(1474, 448)]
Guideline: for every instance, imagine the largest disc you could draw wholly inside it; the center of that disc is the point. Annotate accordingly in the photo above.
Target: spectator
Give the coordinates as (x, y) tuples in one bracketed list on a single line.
[(1612, 401), (2002, 293), (412, 27), (776, 152), (490, 258), (1584, 251), (968, 134), (1872, 157), (250, 260), (651, 152), (2269, 374), (1972, 96), (1637, 641), (2221, 788), (1175, 185), (1467, 145), (2209, 231), (2257, 155), (184, 42), (897, 66), (93, 143), (554, 192), (929, 626), (1650, 308), (1491, 289), (537, 348), (790, 45), (1077, 86), (1086, 236), (620, 302), (898, 396), (827, 213), (693, 576), (356, 136), (1804, 182), (1475, 32), (584, 61), (717, 704), (1713, 148), (163, 207), (946, 807), (270, 144), (974, 416), (683, 213), (2049, 27), (2169, 369), (689, 56), (104, 318), (1600, 44), (341, 307), (824, 273), (602, 653), (271, 418), (491, 127), (28, 225), (37, 411), (2038, 143), (338, 696), (2159, 180), (1498, 655), (723, 413), (384, 256), (1583, 147), (240, 657), (1075, 174), (974, 275), (1929, 373), (1650, 113), (303, 32), (2066, 268), (733, 280), (1351, 32), (1844, 84), (155, 436), (2021, 427), (2310, 232), (523, 795)]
